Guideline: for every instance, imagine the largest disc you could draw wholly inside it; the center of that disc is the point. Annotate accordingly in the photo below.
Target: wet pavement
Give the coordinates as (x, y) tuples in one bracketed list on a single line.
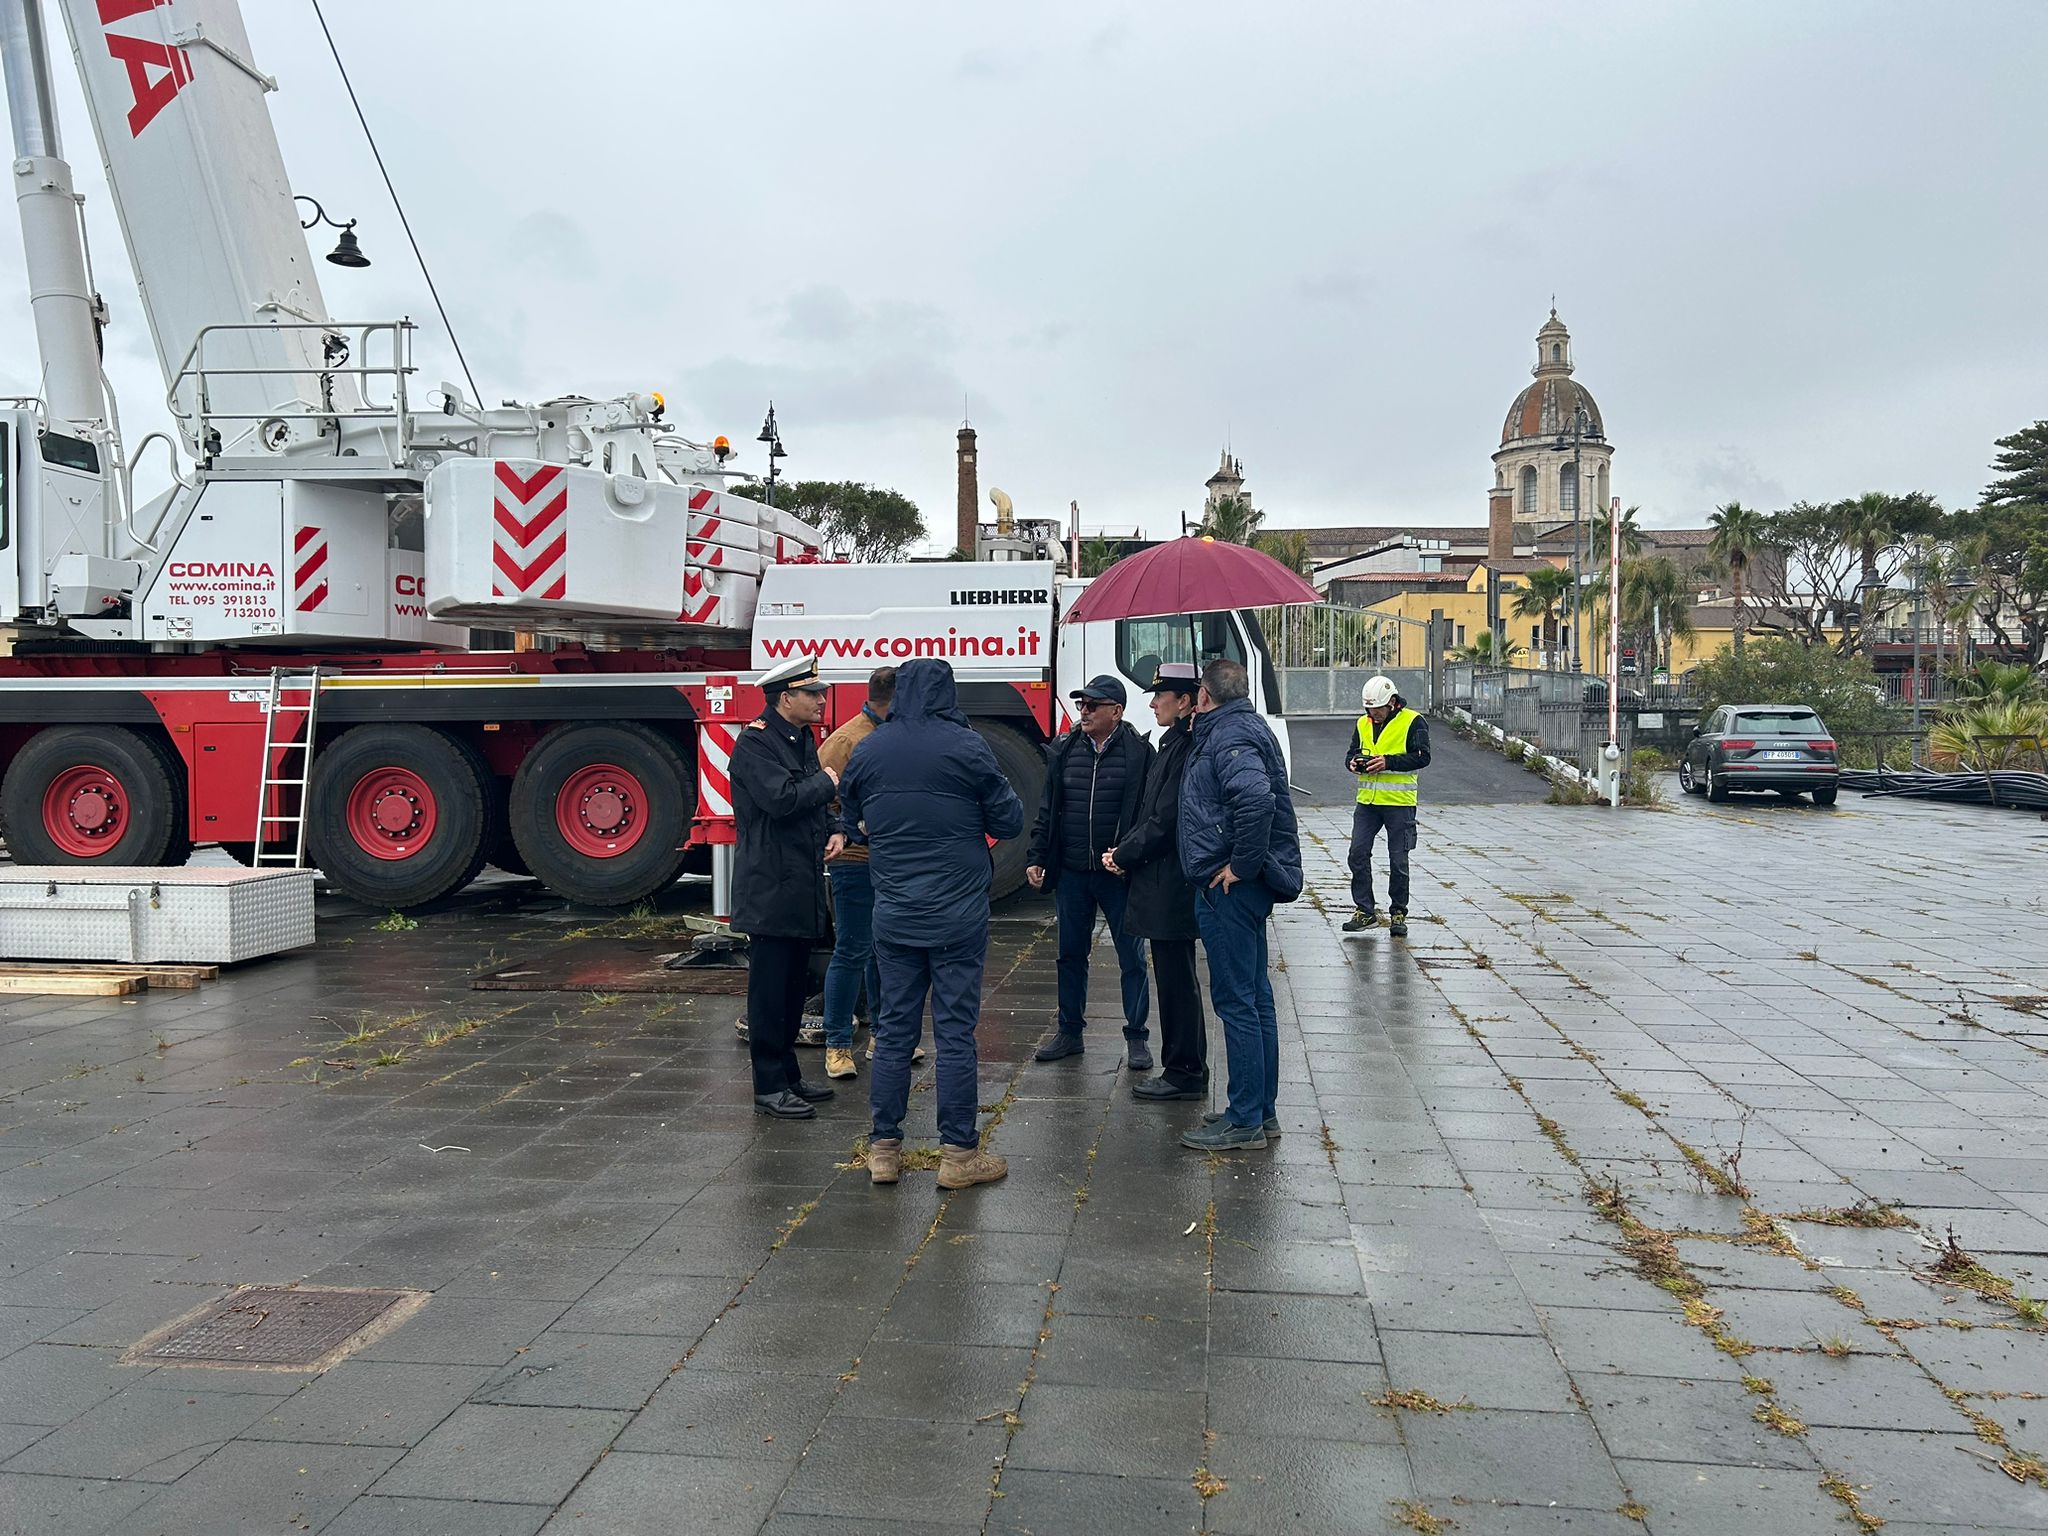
[(1619, 1198)]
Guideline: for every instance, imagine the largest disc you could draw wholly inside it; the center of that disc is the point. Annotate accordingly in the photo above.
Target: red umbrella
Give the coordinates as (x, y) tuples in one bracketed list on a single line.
[(1189, 575)]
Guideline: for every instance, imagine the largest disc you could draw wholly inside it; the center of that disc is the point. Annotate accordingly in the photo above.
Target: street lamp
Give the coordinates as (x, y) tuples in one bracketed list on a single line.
[(1581, 420), (772, 436), (346, 252)]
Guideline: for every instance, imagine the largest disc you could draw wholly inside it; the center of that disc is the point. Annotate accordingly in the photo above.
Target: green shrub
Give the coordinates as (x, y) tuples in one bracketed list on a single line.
[(1649, 760), (1952, 744)]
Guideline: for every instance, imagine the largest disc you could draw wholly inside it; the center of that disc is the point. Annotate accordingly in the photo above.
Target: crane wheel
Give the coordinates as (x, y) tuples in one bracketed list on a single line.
[(1024, 766), (91, 794), (600, 812), (399, 814)]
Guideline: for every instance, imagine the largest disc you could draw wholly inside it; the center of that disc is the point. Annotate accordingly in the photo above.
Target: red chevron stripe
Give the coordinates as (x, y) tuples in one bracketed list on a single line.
[(314, 599), (313, 563), (299, 539), (709, 527), (525, 489), (700, 613), (527, 532), (523, 577), (699, 500)]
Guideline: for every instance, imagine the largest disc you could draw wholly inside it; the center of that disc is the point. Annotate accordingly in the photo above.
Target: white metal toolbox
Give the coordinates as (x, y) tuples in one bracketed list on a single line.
[(152, 916)]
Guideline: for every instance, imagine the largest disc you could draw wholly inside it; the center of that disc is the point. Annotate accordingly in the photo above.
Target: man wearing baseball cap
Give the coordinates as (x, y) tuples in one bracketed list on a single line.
[(1161, 904), (781, 805), (1094, 781), (1391, 750)]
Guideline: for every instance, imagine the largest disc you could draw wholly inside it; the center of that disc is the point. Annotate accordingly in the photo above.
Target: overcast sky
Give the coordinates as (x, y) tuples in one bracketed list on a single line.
[(1799, 247)]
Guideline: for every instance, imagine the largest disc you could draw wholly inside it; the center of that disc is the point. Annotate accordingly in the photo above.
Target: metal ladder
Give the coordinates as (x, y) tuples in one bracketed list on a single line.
[(287, 764)]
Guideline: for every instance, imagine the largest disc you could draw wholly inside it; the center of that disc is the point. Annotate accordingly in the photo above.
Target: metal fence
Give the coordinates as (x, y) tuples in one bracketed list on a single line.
[(1562, 713), (1334, 690)]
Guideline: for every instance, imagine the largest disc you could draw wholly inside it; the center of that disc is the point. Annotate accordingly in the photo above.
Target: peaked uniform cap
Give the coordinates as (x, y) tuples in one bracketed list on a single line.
[(1179, 676), (799, 673)]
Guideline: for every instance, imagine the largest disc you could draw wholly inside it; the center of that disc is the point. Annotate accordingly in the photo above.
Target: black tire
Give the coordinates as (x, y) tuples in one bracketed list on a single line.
[(1686, 781), (1024, 766), (180, 849), (1717, 788), (666, 805), (454, 849), (146, 831), (1826, 796)]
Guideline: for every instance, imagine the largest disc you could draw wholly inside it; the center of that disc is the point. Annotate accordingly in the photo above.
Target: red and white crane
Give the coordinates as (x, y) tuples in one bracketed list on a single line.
[(271, 654)]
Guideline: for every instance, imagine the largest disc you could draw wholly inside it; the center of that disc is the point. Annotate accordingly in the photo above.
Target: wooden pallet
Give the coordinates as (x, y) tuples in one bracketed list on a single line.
[(75, 979)]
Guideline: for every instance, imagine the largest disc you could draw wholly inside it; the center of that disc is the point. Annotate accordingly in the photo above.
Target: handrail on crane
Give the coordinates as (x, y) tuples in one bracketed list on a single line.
[(194, 369)]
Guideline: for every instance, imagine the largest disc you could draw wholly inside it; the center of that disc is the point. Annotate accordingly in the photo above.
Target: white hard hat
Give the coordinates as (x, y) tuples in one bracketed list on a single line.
[(1377, 692)]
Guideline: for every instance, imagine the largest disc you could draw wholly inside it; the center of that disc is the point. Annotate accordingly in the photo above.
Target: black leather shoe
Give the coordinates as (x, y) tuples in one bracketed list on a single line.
[(1059, 1044), (1166, 1088), (815, 1093), (1137, 1055), (782, 1106)]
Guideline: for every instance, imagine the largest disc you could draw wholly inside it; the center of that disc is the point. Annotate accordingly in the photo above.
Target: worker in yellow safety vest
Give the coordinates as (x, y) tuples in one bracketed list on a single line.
[(1391, 749)]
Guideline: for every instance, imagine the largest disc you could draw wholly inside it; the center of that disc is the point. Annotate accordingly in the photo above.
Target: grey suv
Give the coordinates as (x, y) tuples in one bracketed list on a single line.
[(1782, 747)]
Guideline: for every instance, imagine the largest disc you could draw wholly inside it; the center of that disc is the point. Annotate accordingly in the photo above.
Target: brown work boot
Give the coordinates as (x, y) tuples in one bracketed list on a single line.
[(961, 1167), (839, 1061), (885, 1161)]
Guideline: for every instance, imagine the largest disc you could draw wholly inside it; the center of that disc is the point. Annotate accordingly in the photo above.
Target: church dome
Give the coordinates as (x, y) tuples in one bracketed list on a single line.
[(1546, 407)]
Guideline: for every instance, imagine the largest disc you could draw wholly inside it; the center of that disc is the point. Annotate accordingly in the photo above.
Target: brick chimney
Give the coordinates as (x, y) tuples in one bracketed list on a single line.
[(1500, 525), (969, 511)]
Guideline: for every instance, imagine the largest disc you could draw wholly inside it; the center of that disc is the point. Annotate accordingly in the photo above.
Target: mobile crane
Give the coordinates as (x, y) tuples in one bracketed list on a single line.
[(271, 655)]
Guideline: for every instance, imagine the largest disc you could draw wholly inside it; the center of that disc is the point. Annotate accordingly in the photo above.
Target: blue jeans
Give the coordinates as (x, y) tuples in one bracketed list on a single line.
[(1233, 928), (1077, 897), (853, 950), (951, 976)]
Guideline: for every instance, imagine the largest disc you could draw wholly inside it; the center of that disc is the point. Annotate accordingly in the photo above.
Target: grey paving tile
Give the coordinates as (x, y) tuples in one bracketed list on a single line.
[(1036, 1502), (702, 1412), (994, 1313), (152, 1437), (376, 1515), (856, 1464), (1634, 1344), (632, 1493), (1526, 1458), (466, 1330), (67, 1506), (1907, 1476), (1689, 1496), (54, 1383), (819, 1340), (1665, 1419), (1487, 1371), (561, 1369), (1985, 1359), (506, 1454), (251, 1487), (1284, 1483), (963, 1383), (1115, 1431), (1312, 1399), (1859, 1392), (369, 1402)]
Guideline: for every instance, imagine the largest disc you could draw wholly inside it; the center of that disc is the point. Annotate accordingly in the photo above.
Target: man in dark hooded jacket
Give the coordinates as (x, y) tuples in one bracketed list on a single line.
[(1161, 903), (925, 793)]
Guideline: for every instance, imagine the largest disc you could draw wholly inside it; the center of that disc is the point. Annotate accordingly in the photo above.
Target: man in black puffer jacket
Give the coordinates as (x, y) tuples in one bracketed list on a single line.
[(1092, 788), (1162, 902)]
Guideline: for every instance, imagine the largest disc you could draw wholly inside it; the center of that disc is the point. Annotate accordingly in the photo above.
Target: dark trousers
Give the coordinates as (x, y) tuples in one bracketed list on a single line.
[(1366, 822), (778, 975), (1183, 1027), (1078, 896), (1233, 925), (852, 970), (950, 975)]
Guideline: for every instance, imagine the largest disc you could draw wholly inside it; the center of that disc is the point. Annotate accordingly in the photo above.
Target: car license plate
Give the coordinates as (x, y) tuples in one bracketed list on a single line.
[(1779, 757)]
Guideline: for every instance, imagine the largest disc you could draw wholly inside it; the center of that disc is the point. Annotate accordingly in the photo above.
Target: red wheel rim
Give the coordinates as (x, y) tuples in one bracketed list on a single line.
[(391, 813), (85, 811), (601, 811)]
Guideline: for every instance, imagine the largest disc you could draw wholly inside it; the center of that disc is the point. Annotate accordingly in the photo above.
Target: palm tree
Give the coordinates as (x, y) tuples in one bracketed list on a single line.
[(1655, 597), (1633, 538), (1740, 534), (1098, 555), (1483, 651), (1232, 520), (1288, 546), (1538, 598)]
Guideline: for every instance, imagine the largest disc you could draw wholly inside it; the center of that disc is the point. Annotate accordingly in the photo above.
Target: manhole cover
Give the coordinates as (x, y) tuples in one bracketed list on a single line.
[(283, 1327)]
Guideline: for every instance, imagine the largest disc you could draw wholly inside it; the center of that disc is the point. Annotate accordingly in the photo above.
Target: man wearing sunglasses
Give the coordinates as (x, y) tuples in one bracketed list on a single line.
[(1094, 782)]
